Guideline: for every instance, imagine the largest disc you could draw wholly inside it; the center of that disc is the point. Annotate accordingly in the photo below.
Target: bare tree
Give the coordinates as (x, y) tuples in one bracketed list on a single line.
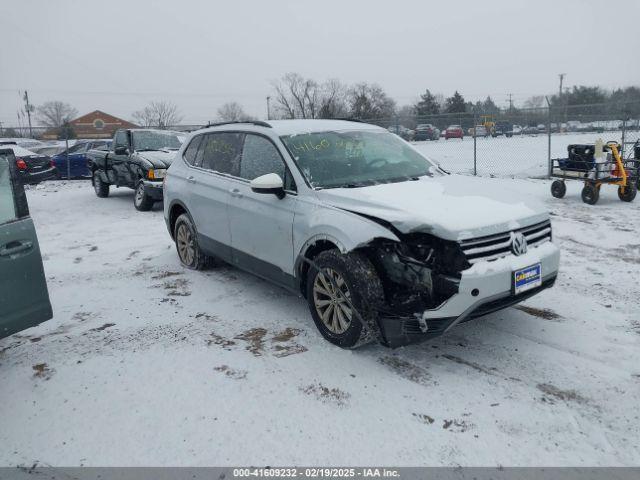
[(161, 114), (54, 114), (369, 101), (232, 112), (536, 101), (299, 97), (296, 96)]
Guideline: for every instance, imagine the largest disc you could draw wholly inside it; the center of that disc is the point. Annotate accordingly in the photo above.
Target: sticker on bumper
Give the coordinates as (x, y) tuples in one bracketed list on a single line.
[(527, 278)]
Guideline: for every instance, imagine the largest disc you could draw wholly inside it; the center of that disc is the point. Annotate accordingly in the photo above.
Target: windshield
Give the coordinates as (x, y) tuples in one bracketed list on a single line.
[(355, 158), (148, 140)]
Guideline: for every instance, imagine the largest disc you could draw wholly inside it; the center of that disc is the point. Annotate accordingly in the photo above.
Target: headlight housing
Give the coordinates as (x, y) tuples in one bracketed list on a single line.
[(157, 173)]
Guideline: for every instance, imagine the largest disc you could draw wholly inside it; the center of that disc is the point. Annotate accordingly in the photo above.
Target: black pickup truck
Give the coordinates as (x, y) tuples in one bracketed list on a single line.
[(138, 159)]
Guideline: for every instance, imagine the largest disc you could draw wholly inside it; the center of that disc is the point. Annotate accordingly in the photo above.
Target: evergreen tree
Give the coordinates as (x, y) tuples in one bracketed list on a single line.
[(455, 104), (428, 104)]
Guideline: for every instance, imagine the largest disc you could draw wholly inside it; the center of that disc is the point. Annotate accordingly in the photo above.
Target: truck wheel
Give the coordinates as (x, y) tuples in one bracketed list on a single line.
[(558, 189), (343, 293), (141, 200), (101, 188), (629, 193), (187, 244), (590, 194)]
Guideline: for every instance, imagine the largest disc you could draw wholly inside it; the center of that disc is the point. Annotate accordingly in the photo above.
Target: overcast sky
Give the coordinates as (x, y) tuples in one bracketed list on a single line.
[(118, 55)]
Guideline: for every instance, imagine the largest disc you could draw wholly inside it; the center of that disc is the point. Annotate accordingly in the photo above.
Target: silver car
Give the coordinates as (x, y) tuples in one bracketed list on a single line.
[(383, 243)]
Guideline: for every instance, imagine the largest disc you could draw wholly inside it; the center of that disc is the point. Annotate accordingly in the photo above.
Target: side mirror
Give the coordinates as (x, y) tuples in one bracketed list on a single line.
[(121, 150), (269, 183)]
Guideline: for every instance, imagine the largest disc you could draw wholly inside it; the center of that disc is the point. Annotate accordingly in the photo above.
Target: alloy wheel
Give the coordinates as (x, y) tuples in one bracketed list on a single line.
[(332, 300), (139, 194), (186, 249)]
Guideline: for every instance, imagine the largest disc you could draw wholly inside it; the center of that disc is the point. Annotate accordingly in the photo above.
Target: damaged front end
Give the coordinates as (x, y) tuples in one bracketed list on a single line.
[(419, 273)]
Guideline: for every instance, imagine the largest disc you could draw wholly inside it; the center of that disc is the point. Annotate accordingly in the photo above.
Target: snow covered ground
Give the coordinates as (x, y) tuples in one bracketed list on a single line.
[(146, 363), (521, 156)]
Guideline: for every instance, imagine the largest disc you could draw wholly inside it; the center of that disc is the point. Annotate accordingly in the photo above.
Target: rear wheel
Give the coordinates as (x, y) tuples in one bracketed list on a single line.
[(629, 193), (141, 200), (590, 194), (558, 189), (187, 244), (101, 188), (343, 293)]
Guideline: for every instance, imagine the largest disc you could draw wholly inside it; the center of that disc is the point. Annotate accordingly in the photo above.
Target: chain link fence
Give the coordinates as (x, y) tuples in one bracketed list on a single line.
[(505, 143), (517, 142)]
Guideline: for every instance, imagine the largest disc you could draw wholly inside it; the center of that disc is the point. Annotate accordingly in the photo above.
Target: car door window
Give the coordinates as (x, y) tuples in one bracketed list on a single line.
[(121, 139), (221, 152), (7, 205), (79, 148), (259, 157), (192, 150)]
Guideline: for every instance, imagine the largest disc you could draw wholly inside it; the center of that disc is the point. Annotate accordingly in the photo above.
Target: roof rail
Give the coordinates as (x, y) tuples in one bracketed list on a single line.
[(349, 119), (252, 122)]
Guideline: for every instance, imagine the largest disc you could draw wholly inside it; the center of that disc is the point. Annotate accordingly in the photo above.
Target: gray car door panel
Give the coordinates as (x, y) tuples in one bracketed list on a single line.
[(24, 299), (262, 224)]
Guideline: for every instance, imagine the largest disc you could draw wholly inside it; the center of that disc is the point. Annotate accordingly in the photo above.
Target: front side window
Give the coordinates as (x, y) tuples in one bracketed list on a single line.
[(220, 152), (7, 204), (78, 148), (146, 140), (356, 158), (259, 157)]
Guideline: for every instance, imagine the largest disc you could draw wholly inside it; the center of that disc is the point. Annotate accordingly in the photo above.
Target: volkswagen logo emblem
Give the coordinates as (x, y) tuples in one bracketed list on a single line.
[(518, 243)]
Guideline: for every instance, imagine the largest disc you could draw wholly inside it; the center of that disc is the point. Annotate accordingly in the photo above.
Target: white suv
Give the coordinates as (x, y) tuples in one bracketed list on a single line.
[(381, 242)]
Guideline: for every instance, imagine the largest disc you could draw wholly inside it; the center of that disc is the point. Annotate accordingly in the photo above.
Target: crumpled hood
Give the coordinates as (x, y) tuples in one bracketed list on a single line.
[(158, 158), (453, 207)]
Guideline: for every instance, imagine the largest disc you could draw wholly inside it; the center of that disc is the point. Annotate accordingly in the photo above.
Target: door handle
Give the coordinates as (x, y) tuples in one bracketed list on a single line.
[(236, 193), (191, 179), (12, 248)]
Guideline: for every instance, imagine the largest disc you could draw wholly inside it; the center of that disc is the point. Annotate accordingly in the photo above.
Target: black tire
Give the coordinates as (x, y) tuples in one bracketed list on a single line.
[(558, 189), (101, 188), (590, 194), (629, 194), (141, 200), (186, 239), (363, 296)]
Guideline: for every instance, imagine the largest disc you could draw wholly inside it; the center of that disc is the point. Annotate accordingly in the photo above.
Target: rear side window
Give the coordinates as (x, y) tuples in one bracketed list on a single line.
[(192, 150), (7, 204), (221, 152)]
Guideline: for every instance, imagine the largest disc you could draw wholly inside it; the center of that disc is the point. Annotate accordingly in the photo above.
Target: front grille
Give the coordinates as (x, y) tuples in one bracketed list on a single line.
[(497, 246)]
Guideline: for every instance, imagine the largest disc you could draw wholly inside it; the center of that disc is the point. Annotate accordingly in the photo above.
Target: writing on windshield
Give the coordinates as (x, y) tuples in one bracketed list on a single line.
[(355, 158)]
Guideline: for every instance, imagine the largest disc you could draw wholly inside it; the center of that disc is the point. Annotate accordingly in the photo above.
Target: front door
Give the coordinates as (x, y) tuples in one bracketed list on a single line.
[(24, 299), (262, 224), (120, 159)]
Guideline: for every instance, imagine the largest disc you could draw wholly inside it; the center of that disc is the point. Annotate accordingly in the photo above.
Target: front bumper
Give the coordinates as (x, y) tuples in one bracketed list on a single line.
[(484, 288), (153, 189)]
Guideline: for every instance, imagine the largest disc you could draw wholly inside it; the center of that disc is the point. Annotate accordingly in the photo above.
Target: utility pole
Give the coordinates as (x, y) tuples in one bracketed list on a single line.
[(268, 109), (561, 75), (29, 109), (510, 101)]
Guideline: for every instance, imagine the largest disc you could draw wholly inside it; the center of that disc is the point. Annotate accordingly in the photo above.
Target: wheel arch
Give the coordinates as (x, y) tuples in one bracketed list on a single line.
[(176, 209)]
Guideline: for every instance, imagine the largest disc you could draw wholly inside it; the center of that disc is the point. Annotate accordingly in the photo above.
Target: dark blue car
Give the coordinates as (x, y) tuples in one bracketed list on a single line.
[(78, 158)]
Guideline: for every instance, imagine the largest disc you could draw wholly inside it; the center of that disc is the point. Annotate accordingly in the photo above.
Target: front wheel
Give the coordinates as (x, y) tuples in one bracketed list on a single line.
[(629, 193), (343, 293), (141, 200), (101, 188)]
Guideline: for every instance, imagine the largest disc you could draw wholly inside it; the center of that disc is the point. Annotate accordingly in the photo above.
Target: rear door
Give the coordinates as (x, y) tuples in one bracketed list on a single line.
[(209, 183), (24, 299)]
